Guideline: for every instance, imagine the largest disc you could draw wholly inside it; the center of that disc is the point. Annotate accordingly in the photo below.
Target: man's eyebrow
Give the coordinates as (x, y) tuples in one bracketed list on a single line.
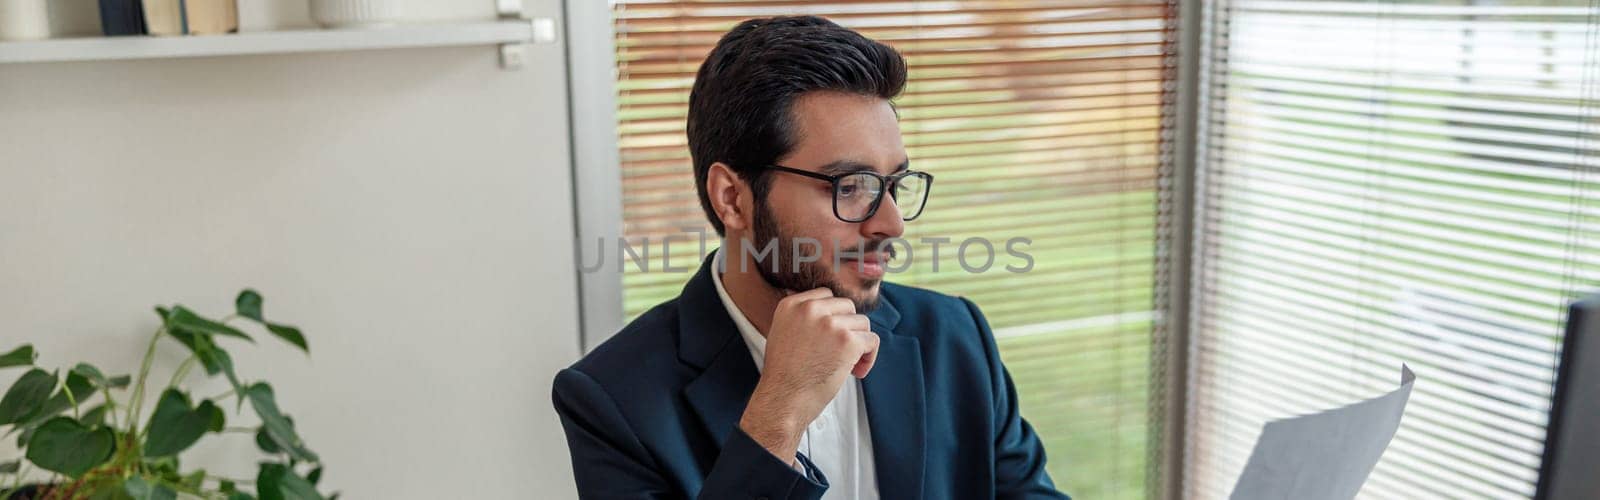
[(842, 167)]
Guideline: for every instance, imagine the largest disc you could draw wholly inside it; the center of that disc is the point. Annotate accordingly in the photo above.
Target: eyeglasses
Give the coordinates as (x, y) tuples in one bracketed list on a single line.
[(857, 195)]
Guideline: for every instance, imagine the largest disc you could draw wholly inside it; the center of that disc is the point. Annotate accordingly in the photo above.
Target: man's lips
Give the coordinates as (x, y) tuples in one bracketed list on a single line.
[(869, 266), (879, 259), (869, 260)]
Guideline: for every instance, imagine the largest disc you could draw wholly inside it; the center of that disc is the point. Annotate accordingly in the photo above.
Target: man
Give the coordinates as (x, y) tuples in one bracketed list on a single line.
[(787, 368)]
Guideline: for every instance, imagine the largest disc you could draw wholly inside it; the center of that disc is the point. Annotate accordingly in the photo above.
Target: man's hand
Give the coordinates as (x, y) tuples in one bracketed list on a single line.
[(816, 340)]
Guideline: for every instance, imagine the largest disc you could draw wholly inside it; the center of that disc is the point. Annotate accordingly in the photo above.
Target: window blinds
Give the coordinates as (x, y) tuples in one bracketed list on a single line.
[(1040, 120), (1388, 182)]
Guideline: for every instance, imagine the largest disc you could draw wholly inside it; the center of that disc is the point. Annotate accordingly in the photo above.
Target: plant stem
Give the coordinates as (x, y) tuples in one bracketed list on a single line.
[(22, 472), (219, 397), (250, 430), (183, 370), (144, 373), (72, 399), (111, 407)]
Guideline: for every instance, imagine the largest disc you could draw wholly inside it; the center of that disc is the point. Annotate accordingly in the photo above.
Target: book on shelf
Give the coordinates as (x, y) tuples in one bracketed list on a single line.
[(121, 17), (165, 18), (211, 17)]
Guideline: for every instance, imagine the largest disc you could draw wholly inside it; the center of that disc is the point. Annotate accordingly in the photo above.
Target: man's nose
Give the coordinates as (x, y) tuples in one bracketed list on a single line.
[(886, 223)]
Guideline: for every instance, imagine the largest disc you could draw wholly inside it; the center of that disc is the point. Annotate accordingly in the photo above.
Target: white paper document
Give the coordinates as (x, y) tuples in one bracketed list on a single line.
[(1323, 456)]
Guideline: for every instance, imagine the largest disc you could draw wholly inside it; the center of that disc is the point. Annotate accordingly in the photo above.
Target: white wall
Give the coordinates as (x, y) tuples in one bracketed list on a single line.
[(80, 18), (409, 209)]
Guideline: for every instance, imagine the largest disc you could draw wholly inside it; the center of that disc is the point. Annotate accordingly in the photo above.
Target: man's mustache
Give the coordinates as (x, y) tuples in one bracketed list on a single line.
[(881, 246)]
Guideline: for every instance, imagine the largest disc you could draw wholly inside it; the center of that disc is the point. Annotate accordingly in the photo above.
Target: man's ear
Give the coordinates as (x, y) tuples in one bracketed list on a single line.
[(729, 197)]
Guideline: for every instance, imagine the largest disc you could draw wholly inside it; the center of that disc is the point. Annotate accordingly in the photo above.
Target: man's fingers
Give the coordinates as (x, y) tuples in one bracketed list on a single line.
[(828, 306), (815, 293), (849, 322), (794, 298), (870, 357), (864, 365)]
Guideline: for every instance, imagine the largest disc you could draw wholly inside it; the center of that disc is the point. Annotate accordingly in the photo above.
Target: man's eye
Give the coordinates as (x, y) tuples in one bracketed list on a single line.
[(847, 189)]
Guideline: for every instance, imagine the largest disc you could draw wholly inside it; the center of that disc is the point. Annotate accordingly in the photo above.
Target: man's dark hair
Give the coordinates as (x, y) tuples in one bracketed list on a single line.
[(739, 109)]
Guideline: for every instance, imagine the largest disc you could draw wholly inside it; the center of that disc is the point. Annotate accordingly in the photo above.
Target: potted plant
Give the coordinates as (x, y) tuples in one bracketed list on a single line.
[(85, 429)]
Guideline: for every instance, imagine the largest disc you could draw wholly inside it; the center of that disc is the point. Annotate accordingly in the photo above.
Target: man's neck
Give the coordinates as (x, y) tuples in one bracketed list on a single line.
[(754, 297)]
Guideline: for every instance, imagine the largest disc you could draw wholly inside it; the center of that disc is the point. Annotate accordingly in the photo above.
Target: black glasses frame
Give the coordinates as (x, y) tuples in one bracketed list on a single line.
[(889, 183)]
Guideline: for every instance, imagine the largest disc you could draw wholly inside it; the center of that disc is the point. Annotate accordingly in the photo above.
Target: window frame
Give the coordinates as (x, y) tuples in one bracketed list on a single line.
[(596, 164)]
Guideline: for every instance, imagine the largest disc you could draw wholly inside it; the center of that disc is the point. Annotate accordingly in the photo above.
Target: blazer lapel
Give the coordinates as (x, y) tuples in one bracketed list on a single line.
[(896, 407), (707, 339), (719, 395)]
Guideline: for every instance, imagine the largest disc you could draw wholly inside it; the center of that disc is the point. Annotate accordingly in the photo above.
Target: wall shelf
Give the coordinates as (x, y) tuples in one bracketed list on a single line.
[(277, 42)]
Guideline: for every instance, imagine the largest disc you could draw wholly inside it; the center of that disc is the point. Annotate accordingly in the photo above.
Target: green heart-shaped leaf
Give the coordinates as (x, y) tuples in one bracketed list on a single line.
[(94, 417), (264, 441), (181, 318), (139, 489), (175, 426), (224, 364), (297, 488), (279, 482), (197, 333), (26, 396), (79, 386), (90, 372), (289, 334), (21, 356), (248, 305), (99, 379), (213, 358), (66, 446), (277, 425), (268, 481)]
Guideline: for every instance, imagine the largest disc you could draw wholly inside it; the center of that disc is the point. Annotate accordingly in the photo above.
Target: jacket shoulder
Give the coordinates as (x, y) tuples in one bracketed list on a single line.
[(648, 344)]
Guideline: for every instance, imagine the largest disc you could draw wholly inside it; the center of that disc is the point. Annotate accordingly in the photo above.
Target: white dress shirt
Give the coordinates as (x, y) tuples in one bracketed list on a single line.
[(838, 442)]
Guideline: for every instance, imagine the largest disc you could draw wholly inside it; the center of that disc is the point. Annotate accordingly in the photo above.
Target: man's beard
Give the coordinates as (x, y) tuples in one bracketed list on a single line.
[(805, 276)]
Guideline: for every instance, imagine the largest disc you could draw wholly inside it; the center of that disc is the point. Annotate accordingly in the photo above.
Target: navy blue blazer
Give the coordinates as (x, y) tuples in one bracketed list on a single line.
[(654, 411)]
